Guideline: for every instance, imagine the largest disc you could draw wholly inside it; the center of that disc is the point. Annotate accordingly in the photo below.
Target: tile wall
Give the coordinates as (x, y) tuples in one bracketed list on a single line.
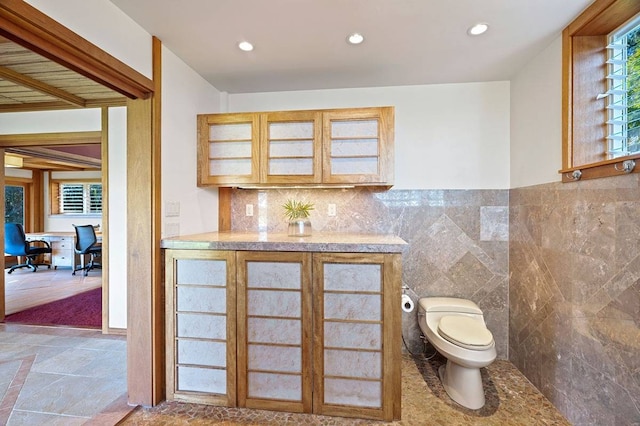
[(458, 239), (574, 296)]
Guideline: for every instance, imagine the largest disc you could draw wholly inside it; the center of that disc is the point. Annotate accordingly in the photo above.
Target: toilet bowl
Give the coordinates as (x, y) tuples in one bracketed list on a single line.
[(456, 329)]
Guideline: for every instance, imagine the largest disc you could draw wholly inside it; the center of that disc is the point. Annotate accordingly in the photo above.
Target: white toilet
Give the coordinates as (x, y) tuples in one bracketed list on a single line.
[(456, 328)]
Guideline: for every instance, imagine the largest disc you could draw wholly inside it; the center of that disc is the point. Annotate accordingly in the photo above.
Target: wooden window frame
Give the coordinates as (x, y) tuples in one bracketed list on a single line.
[(54, 196), (27, 185), (584, 130)]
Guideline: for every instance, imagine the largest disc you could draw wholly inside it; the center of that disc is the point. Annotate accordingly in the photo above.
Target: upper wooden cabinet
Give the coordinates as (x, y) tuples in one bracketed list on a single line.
[(343, 146)]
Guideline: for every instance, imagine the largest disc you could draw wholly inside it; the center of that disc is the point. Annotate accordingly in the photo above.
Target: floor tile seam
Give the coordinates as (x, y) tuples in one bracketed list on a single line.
[(10, 398), (50, 413), (84, 376)]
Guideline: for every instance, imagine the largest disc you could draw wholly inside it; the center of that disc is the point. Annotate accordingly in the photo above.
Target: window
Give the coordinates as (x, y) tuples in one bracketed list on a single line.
[(76, 198), (14, 204), (623, 96), (601, 84)]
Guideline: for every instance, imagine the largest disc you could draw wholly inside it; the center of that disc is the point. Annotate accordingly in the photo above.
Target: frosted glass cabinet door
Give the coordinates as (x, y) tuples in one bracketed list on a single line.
[(228, 149), (356, 350), (274, 326), (201, 333), (358, 146), (291, 147)]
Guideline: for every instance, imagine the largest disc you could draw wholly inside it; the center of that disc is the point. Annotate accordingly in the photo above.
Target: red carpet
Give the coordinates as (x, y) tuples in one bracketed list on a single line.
[(82, 310)]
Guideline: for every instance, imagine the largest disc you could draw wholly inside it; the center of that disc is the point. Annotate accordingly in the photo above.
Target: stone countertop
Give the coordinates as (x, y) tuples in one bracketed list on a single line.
[(317, 242)]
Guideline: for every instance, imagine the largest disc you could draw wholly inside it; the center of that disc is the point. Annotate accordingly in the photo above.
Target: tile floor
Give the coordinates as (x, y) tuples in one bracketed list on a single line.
[(61, 376), (511, 400)]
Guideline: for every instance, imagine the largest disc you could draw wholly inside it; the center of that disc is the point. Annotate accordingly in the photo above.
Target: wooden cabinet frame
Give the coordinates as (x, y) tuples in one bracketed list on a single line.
[(172, 256), (323, 153)]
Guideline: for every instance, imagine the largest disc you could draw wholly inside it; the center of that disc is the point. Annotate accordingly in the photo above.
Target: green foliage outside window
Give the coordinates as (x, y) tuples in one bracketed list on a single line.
[(14, 204)]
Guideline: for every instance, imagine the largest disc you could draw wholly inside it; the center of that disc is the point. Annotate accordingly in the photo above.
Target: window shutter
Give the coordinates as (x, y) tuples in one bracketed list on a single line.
[(72, 198), (95, 198), (623, 105)]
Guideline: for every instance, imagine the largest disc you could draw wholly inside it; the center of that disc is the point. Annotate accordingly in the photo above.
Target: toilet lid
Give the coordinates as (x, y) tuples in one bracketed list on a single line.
[(465, 332)]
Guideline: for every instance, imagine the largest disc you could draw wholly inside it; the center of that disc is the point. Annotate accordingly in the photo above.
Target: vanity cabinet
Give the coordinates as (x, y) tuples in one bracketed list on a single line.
[(304, 332), (343, 146)]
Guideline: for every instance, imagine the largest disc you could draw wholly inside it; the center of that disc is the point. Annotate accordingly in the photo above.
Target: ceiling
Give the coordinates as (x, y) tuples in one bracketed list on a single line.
[(30, 82), (301, 44)]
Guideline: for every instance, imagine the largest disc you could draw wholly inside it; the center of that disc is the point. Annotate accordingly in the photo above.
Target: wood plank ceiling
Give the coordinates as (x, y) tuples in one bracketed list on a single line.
[(31, 82)]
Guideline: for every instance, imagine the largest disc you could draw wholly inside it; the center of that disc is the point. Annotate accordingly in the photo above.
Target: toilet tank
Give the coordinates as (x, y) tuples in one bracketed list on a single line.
[(448, 304)]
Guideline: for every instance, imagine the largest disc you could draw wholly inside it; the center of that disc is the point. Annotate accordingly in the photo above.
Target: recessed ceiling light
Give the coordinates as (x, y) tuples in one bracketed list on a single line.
[(478, 29), (246, 46), (355, 38)]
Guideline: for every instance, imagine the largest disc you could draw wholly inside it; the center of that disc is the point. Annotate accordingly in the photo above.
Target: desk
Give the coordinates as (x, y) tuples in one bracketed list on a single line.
[(62, 247)]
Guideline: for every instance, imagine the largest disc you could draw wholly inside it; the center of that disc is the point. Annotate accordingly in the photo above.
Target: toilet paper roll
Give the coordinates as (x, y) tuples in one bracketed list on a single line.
[(407, 303)]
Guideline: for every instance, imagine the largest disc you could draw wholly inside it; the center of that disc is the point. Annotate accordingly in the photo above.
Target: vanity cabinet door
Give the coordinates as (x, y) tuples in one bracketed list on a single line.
[(201, 326), (356, 335), (228, 149), (358, 146), (291, 147), (274, 331)]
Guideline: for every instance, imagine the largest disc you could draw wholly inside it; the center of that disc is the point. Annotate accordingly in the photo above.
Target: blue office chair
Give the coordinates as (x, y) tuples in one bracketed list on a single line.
[(87, 244), (16, 244)]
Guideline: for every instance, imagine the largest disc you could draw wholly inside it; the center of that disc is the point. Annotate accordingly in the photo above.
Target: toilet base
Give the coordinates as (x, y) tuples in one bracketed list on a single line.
[(463, 385)]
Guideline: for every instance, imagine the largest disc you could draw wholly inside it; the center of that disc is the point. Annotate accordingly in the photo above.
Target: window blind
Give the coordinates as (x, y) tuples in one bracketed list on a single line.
[(623, 94)]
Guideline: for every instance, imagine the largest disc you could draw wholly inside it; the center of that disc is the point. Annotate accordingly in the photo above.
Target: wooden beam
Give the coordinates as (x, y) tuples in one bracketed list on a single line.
[(27, 26), (50, 139), (49, 106), (39, 86)]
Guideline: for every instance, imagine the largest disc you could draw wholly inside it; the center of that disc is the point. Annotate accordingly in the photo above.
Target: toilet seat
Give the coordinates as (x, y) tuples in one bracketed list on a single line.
[(465, 332)]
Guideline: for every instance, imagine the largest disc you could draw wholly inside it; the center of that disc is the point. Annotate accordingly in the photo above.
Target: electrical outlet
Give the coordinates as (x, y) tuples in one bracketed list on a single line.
[(331, 210), (249, 210)]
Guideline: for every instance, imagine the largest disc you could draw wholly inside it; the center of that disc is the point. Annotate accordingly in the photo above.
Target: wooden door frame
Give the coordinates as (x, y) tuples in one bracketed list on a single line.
[(27, 26)]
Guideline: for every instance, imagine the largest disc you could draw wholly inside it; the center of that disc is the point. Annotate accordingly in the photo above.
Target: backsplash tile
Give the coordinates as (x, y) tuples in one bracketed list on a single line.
[(574, 295), (458, 239)]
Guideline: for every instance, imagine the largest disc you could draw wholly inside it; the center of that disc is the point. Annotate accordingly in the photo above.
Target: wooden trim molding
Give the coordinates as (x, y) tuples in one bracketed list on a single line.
[(27, 26), (50, 139), (584, 129)]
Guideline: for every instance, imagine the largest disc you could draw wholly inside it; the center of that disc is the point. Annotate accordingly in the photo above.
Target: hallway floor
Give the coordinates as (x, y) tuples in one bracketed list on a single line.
[(61, 376), (511, 400)]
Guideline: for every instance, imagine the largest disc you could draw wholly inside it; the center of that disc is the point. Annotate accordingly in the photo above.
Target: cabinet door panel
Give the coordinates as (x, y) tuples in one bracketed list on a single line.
[(274, 317), (358, 146), (355, 360), (206, 380), (200, 314), (211, 354), (228, 149), (291, 147)]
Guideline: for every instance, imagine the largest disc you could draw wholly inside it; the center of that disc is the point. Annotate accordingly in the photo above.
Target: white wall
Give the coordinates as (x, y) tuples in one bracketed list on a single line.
[(198, 207), (64, 223), (76, 120), (536, 119), (106, 26), (117, 217), (447, 136)]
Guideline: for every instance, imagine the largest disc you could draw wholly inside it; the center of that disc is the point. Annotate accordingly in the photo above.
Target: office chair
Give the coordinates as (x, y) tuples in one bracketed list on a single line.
[(16, 244), (87, 243)]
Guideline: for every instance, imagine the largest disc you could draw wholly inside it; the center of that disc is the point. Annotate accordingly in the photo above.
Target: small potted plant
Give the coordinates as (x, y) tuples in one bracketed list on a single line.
[(298, 213)]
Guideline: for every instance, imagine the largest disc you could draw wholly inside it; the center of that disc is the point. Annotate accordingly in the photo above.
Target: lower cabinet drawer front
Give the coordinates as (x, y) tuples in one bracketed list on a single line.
[(59, 259)]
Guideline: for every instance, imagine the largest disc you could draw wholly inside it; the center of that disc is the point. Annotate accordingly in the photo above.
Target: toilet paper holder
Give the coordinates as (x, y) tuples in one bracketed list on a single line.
[(406, 301)]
